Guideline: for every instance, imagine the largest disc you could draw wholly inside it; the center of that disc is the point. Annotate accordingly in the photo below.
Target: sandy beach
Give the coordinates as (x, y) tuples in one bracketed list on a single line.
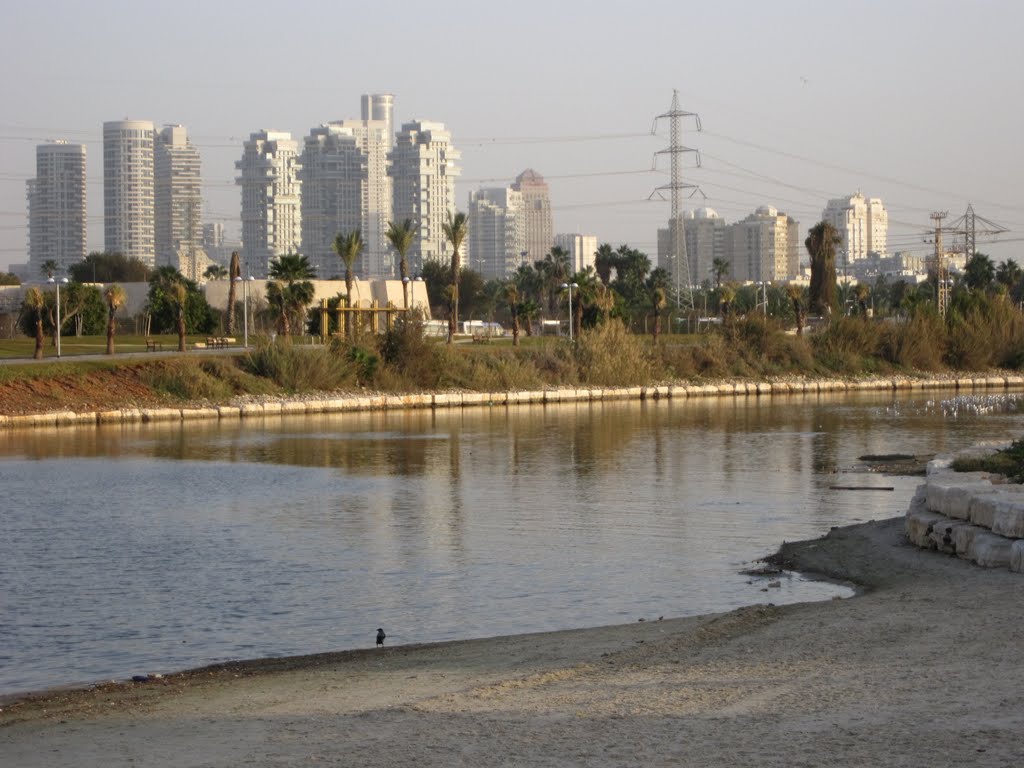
[(922, 668)]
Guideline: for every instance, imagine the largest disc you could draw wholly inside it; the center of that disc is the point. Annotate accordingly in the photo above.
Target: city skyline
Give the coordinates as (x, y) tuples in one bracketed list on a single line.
[(773, 87)]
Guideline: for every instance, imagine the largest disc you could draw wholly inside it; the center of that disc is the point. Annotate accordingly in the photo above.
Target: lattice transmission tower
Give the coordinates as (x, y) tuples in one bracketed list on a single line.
[(967, 228), (681, 276)]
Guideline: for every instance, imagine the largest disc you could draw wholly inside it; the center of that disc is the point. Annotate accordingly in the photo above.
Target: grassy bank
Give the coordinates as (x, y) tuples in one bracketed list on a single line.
[(404, 360)]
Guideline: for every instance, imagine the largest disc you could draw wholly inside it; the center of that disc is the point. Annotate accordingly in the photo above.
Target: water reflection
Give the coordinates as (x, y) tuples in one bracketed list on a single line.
[(143, 548)]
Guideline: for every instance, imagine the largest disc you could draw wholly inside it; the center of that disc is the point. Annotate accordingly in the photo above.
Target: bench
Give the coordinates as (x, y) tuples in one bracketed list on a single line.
[(154, 345), (479, 338), (219, 342)]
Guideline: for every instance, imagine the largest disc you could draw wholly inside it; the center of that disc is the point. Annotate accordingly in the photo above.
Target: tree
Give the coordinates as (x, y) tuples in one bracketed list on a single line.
[(435, 275), (115, 298), (49, 268), (979, 272), (658, 302), (164, 309), (604, 262), (8, 278), (472, 297), (719, 269), (795, 294), (402, 236), (821, 243), (35, 304), (861, 291), (290, 291), (1009, 273), (109, 268), (348, 246), (726, 296), (215, 272), (234, 274), (512, 297), (455, 230)]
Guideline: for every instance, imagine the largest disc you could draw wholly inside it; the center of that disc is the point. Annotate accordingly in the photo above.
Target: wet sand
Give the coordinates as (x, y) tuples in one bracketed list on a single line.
[(922, 668)]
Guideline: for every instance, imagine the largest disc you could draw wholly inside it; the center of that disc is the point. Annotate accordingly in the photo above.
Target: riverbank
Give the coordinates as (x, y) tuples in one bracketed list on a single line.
[(114, 402), (917, 670)]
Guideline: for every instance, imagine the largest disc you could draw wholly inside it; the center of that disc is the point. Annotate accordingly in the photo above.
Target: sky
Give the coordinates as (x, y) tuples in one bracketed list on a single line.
[(916, 102)]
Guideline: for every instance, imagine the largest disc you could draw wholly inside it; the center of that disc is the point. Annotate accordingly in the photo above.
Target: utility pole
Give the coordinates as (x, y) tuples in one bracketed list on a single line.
[(677, 242), (941, 273), (967, 227)]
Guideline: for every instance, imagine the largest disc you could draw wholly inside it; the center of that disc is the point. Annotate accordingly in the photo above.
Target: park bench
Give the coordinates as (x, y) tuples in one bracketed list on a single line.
[(154, 345), (219, 342)]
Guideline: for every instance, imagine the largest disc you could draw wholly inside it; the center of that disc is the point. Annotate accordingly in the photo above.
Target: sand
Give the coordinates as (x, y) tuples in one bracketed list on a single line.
[(922, 668)]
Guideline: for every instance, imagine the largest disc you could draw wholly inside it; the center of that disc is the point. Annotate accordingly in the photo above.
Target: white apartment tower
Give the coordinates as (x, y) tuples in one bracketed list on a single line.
[(271, 205), (128, 198), (424, 166), (178, 202), (496, 232), (581, 250), (540, 228), (379, 107), (863, 223), (704, 234), (332, 188), (763, 247), (56, 206)]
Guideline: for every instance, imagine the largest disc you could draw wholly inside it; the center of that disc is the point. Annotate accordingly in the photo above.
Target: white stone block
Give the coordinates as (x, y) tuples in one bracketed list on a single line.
[(227, 412), (991, 551), (943, 535), (963, 538), (919, 525), (1009, 519), (248, 410), (952, 498), (1017, 556)]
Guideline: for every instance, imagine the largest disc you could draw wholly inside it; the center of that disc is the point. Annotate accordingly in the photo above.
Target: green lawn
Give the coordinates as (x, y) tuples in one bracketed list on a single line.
[(78, 346)]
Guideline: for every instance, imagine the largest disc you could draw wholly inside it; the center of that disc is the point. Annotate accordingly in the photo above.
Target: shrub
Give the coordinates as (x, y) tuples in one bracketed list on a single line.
[(608, 355), (300, 369), (918, 344), (186, 380)]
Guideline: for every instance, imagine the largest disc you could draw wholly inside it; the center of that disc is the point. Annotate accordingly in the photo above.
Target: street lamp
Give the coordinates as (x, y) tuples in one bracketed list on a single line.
[(569, 287), (52, 281), (405, 290)]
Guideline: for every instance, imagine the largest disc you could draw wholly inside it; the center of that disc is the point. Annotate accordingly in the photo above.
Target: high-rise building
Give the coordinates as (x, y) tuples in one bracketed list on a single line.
[(704, 235), (765, 246), (56, 207), (128, 196), (271, 205), (346, 186), (332, 186), (863, 223), (496, 233), (581, 250), (178, 202), (424, 165), (379, 107), (540, 228)]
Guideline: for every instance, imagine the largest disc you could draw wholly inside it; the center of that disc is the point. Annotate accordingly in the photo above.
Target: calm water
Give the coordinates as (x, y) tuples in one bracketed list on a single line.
[(152, 548)]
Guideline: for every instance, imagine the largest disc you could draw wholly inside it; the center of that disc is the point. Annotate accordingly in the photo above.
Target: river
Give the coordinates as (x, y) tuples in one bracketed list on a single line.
[(146, 548)]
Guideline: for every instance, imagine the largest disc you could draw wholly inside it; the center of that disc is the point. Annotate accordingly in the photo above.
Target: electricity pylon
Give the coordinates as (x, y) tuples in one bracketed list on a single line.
[(677, 242)]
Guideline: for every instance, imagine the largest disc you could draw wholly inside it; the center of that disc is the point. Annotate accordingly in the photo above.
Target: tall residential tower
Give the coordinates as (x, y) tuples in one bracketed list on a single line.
[(56, 207), (271, 212), (424, 165), (178, 202), (863, 223), (540, 228), (128, 210)]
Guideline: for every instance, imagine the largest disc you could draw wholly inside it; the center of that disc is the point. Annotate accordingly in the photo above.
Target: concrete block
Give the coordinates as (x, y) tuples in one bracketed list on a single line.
[(1017, 556), (65, 418), (943, 535), (272, 408), (963, 539), (109, 417), (228, 412), (1009, 519), (919, 525), (393, 402), (763, 389), (475, 398), (294, 407), (952, 498), (198, 414), (677, 392), (161, 414), (991, 551), (249, 410), (442, 400)]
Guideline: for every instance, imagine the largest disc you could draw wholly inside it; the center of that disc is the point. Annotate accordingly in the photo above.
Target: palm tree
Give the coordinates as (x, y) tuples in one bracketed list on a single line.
[(215, 272), (512, 297), (455, 231), (658, 302), (726, 296), (234, 272), (795, 294), (821, 243), (290, 291), (35, 301), (401, 238), (719, 269), (348, 247), (49, 268), (178, 294), (115, 297), (861, 291), (604, 262)]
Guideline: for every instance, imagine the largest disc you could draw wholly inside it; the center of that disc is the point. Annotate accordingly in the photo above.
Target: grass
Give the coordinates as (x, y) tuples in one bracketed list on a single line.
[(1007, 461)]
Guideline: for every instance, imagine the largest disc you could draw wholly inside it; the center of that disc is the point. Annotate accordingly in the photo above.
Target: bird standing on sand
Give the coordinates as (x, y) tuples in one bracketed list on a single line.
[(380, 636)]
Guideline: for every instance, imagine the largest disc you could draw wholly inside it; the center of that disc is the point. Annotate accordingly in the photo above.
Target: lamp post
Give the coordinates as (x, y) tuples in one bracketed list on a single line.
[(569, 287), (405, 290), (245, 307), (52, 281)]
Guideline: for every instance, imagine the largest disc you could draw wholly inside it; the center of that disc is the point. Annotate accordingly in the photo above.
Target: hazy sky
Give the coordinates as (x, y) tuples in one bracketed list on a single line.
[(915, 102)]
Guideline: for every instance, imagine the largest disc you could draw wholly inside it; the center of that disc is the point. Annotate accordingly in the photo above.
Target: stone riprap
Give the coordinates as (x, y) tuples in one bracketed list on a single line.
[(262, 407), (974, 515)]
